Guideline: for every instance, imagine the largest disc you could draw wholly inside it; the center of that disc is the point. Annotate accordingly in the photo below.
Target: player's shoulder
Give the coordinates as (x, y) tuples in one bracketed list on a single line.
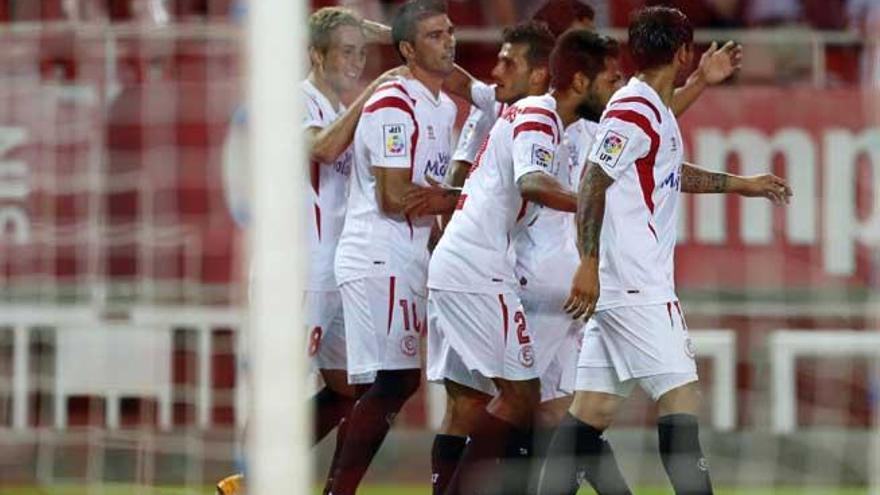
[(316, 103), (636, 101), (541, 109), (395, 88), (392, 97), (544, 101)]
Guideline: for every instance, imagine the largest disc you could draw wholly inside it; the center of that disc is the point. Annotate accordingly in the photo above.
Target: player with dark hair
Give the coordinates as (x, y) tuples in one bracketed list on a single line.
[(543, 259), (401, 145), (473, 292), (337, 52), (522, 69), (562, 15), (627, 217)]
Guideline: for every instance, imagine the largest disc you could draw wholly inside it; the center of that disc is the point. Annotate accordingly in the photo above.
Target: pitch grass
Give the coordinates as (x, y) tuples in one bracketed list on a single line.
[(115, 489)]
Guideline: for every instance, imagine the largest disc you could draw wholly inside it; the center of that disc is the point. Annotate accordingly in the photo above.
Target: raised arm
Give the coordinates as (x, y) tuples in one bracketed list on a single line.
[(545, 190), (698, 180), (376, 32), (716, 65), (590, 213), (459, 83), (326, 144)]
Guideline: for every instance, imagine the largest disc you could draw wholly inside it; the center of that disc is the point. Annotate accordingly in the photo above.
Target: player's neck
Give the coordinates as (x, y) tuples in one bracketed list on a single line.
[(566, 106), (430, 80), (662, 80), (325, 88)]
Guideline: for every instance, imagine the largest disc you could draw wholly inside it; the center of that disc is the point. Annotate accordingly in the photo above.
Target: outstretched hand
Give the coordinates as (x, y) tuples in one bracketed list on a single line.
[(718, 64), (767, 186)]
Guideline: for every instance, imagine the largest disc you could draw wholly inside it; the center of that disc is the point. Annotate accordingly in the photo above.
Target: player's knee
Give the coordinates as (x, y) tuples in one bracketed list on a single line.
[(398, 385), (596, 409), (684, 399), (525, 395), (338, 383), (551, 413)]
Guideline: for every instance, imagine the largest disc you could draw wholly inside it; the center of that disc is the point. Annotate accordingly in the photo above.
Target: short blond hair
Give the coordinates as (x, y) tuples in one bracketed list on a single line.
[(323, 21)]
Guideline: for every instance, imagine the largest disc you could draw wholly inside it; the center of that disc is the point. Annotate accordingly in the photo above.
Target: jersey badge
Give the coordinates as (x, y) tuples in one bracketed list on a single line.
[(395, 142), (542, 156), (612, 148)]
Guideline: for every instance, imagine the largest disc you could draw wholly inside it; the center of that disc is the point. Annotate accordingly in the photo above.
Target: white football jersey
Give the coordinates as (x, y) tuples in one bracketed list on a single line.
[(327, 196), (546, 252), (475, 253), (405, 126), (638, 144), (483, 114)]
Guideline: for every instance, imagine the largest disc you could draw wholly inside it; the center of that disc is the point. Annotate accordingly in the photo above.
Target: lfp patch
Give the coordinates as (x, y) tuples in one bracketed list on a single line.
[(612, 148), (542, 156), (395, 141)]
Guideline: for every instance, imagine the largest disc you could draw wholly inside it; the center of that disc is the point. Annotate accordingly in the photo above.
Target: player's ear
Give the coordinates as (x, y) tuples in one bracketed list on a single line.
[(407, 50), (580, 83), (683, 55), (539, 77), (316, 57)]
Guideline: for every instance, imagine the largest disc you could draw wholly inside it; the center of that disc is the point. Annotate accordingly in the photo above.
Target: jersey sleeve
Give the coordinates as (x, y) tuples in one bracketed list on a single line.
[(473, 132), (390, 130), (483, 96), (534, 144), (314, 116), (622, 138)]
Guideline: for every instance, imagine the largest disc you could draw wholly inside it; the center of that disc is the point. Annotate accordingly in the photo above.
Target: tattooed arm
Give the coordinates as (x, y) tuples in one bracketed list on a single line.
[(591, 210), (698, 180), (590, 213)]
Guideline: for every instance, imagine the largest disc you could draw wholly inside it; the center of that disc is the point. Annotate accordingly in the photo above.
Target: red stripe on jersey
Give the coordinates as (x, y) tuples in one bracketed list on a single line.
[(460, 203), (522, 210), (539, 111), (318, 220), (390, 303), (412, 151), (534, 126), (391, 101), (317, 106), (315, 172), (643, 101), (395, 85), (547, 113), (315, 175), (669, 310), (684, 324), (503, 315), (645, 165), (479, 157), (653, 232)]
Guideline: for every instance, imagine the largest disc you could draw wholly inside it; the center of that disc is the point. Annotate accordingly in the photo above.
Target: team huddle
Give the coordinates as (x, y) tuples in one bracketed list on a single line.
[(534, 260)]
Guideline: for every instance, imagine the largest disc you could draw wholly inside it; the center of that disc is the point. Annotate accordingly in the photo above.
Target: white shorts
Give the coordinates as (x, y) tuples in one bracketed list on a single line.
[(632, 344), (559, 340), (488, 334), (384, 319), (326, 329)]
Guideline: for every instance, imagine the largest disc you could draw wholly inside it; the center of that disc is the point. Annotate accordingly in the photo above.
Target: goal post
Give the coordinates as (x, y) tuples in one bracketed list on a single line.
[(278, 445)]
